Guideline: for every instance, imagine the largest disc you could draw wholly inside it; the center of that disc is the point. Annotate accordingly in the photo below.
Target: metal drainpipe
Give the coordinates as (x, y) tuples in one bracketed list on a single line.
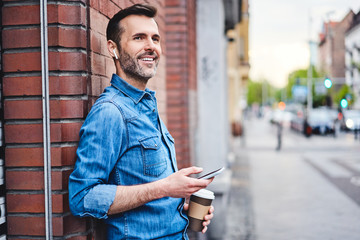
[(46, 117)]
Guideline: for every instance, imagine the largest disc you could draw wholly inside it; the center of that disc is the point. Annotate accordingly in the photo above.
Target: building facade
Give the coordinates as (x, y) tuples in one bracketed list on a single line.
[(331, 49), (352, 58)]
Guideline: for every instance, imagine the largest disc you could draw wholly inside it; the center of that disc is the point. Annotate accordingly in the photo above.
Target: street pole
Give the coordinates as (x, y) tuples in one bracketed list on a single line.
[(309, 88), (309, 73)]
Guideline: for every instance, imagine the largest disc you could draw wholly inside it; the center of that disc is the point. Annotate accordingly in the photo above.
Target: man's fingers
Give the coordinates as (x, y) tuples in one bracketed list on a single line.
[(191, 170)]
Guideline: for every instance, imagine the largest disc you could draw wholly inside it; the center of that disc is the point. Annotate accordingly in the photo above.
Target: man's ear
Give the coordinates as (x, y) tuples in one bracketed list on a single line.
[(112, 49)]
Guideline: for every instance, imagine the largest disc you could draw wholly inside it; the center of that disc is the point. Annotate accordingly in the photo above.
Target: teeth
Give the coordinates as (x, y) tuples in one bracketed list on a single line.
[(147, 59)]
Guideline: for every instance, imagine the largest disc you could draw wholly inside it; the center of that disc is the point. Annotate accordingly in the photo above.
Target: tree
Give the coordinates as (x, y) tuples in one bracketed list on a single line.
[(344, 92), (254, 94), (299, 77)]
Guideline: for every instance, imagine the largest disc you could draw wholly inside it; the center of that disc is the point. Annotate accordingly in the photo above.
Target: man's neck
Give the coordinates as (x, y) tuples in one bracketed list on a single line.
[(139, 84)]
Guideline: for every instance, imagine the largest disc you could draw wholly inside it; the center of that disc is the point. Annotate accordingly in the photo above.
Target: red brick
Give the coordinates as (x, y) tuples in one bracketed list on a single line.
[(66, 14), (178, 19), (78, 237), (94, 4), (108, 8), (31, 61), (23, 109), (30, 86), (34, 157), (32, 133), (34, 180), (68, 85), (98, 22), (18, 225), (67, 109), (175, 3), (67, 61), (34, 225), (98, 64), (24, 180), (35, 203), (25, 133), (73, 224), (14, 38), (21, 86), (16, 62), (98, 43), (20, 15), (67, 37), (65, 132)]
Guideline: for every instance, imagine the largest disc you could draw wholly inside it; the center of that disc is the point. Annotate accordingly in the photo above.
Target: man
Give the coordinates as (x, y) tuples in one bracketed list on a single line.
[(126, 170)]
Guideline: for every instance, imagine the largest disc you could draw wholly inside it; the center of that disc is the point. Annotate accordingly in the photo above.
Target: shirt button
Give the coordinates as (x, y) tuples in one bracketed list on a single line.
[(155, 145), (154, 110)]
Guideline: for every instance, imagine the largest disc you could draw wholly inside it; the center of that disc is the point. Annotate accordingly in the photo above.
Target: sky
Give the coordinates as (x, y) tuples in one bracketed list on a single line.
[(280, 31)]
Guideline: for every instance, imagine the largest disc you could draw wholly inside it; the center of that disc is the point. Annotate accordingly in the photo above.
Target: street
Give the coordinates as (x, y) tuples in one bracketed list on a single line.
[(308, 190)]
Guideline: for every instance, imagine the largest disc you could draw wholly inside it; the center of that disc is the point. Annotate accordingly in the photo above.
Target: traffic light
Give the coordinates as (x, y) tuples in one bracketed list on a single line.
[(281, 105), (327, 82), (343, 103)]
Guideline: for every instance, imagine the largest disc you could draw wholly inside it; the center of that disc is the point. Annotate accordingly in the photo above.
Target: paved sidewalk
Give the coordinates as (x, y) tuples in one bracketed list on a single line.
[(240, 216)]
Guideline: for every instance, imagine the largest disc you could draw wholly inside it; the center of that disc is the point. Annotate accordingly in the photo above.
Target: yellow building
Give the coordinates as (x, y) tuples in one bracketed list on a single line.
[(238, 67)]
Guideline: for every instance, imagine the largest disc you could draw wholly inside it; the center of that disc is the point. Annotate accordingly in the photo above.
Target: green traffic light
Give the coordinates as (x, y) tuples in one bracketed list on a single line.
[(327, 83), (343, 103)]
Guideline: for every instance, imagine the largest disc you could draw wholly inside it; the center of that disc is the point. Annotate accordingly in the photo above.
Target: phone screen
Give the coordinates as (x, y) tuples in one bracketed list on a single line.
[(212, 174)]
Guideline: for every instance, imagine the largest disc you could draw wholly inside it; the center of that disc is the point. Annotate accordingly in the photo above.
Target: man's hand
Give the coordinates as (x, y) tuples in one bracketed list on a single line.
[(207, 218), (180, 185)]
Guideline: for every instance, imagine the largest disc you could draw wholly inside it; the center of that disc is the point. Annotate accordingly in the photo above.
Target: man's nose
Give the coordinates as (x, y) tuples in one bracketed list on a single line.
[(150, 45)]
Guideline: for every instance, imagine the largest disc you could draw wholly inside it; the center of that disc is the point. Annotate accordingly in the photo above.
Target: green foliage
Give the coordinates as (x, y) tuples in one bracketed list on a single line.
[(344, 92), (254, 94), (332, 97), (298, 77)]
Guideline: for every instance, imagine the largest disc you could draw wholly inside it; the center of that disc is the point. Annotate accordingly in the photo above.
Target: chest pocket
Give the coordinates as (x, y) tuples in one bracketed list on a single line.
[(153, 156)]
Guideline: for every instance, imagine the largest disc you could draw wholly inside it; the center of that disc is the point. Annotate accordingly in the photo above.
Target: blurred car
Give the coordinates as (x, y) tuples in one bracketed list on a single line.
[(299, 123), (322, 121), (351, 121)]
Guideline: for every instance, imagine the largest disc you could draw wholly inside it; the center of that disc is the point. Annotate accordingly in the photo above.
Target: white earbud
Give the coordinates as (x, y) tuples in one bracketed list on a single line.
[(116, 57)]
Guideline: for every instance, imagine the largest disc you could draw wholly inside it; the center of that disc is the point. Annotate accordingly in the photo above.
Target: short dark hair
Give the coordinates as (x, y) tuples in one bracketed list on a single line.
[(114, 30)]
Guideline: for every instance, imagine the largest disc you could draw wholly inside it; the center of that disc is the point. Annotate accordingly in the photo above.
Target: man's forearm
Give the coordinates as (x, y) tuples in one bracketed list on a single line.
[(130, 197)]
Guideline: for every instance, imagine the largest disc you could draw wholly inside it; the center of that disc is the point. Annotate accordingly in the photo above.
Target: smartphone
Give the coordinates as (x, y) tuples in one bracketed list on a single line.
[(212, 174)]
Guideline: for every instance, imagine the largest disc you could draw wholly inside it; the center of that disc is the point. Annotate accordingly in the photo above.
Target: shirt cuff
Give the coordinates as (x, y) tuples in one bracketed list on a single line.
[(99, 199)]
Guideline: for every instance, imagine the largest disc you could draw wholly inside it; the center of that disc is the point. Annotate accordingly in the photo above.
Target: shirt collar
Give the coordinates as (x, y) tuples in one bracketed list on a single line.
[(132, 92)]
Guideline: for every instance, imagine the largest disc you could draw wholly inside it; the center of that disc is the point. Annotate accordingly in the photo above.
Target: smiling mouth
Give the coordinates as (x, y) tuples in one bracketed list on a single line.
[(147, 59)]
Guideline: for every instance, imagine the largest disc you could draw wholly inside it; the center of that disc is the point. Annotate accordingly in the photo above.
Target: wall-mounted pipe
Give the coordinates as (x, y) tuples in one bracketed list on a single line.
[(46, 117)]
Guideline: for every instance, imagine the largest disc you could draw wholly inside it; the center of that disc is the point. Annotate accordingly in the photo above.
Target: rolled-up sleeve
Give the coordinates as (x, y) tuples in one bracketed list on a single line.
[(101, 138)]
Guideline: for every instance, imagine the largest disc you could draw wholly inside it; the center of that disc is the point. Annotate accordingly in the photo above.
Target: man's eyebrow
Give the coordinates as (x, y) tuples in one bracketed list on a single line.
[(145, 34)]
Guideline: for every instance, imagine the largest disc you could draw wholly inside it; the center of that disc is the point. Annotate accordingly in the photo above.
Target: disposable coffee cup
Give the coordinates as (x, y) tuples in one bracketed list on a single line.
[(199, 206)]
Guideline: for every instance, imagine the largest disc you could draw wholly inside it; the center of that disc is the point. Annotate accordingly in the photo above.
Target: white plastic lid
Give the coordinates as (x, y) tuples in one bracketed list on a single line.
[(204, 193)]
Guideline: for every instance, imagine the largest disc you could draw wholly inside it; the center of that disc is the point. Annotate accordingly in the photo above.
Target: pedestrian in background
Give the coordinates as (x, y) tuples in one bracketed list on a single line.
[(126, 170), (279, 125)]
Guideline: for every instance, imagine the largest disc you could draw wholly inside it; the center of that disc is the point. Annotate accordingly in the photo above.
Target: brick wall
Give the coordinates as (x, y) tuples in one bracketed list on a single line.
[(80, 68), (181, 75), (23, 112)]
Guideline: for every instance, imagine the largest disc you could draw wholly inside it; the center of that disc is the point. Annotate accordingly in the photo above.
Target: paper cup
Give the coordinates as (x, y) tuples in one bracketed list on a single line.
[(199, 206)]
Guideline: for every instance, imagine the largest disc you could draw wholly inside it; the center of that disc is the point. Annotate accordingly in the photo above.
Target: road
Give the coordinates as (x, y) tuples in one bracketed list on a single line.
[(308, 190)]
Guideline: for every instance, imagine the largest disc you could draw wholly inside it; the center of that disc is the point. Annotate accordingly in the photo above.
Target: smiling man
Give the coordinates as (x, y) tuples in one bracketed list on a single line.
[(126, 170)]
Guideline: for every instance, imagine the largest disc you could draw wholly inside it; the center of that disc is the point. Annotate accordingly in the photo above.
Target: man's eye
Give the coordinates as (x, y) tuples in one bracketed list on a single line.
[(137, 38), (156, 39)]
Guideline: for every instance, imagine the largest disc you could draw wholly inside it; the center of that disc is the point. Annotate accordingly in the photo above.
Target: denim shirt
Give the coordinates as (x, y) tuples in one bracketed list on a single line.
[(124, 142)]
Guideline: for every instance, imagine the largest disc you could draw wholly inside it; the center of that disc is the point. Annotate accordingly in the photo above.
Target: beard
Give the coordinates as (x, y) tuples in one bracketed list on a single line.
[(134, 70)]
